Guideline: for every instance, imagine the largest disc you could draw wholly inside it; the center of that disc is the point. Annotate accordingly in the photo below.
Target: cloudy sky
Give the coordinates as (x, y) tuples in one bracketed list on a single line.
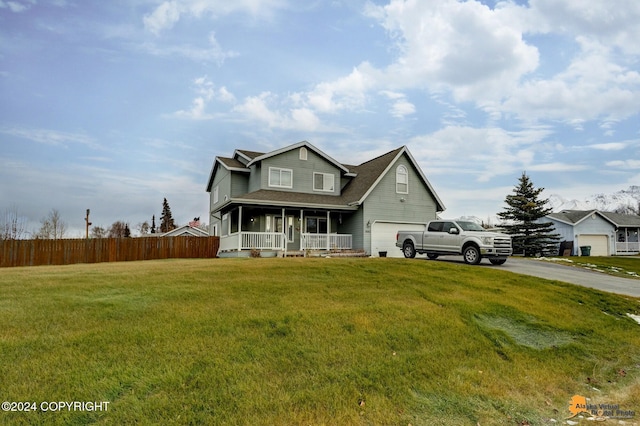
[(114, 105)]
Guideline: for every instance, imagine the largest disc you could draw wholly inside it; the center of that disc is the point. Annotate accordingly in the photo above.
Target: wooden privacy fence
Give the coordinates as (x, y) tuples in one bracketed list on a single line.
[(65, 252)]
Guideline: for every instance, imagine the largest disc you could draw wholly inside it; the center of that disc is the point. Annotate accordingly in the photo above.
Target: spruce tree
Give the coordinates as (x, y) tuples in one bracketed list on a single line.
[(524, 216), (153, 224), (166, 220)]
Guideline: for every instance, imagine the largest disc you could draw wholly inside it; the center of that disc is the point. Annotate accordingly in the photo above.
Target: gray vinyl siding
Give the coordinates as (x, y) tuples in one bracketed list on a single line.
[(222, 181), (239, 184), (384, 205), (352, 224), (597, 226), (255, 178), (303, 171), (565, 231)]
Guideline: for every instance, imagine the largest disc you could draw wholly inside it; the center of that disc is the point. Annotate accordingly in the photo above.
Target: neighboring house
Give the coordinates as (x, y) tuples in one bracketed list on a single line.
[(299, 198), (607, 233), (184, 231)]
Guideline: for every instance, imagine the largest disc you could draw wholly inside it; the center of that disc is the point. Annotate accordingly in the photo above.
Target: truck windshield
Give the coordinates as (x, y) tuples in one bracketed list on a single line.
[(470, 226)]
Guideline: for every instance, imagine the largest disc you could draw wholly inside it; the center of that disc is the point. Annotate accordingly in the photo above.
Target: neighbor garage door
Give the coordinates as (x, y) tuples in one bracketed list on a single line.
[(383, 237), (599, 244)]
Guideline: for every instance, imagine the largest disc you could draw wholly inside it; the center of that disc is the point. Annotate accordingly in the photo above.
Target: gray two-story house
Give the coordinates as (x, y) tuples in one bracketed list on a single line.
[(298, 198)]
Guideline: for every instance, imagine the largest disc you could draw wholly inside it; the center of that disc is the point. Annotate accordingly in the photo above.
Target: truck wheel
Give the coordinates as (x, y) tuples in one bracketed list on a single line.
[(432, 256), (471, 255), (497, 261), (409, 250)]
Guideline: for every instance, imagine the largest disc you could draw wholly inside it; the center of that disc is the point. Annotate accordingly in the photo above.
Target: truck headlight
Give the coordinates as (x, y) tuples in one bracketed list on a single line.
[(487, 241)]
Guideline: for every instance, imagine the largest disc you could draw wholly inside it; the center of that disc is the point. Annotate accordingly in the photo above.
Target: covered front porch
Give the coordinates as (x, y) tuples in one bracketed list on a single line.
[(278, 231), (627, 241)]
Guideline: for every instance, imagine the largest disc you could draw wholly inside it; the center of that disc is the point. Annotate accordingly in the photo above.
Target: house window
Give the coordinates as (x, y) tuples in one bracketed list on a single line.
[(323, 182), (402, 180), (215, 195), (280, 178), (303, 154), (317, 225)]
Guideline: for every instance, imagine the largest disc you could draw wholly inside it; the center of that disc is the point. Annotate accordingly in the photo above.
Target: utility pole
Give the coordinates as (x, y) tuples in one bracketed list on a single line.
[(88, 224)]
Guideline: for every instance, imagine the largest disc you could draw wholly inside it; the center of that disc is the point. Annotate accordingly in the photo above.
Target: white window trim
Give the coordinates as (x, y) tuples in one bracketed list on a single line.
[(402, 170), (216, 194), (303, 153), (280, 169), (332, 182)]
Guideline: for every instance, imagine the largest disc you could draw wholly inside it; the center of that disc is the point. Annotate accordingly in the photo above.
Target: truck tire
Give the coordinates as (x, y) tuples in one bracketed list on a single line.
[(408, 250), (432, 256), (471, 255), (497, 261)]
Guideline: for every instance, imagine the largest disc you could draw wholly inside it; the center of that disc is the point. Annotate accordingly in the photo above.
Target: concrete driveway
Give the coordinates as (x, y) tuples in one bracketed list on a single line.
[(569, 274)]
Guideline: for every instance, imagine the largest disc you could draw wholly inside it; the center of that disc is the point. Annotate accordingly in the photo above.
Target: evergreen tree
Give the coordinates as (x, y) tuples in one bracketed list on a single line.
[(166, 220), (153, 224), (524, 215)]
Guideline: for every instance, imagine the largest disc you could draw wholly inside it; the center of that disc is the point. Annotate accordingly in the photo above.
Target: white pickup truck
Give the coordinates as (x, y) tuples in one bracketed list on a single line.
[(455, 237)]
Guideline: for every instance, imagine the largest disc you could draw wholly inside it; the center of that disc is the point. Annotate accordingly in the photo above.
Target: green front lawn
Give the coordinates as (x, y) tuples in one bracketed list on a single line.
[(310, 341)]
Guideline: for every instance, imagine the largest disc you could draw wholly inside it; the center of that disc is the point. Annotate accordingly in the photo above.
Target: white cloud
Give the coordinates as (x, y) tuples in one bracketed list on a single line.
[(401, 107), (625, 164), (51, 137), (165, 16), (613, 24), (16, 6), (264, 108), (346, 93), (592, 87), (556, 167), (207, 92), (611, 146), (462, 46), (484, 152), (212, 53)]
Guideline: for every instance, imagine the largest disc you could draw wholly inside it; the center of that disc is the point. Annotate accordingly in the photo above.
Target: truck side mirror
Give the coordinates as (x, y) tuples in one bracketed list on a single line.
[(454, 231)]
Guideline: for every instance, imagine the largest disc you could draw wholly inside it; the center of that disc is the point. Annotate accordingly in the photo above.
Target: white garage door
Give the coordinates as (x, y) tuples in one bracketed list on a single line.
[(599, 244), (383, 237)]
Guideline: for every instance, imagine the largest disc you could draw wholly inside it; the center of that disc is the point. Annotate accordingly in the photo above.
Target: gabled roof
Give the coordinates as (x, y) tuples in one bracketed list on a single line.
[(364, 178), (623, 220), (228, 163), (571, 217), (246, 155), (296, 146), (185, 230), (574, 217), (371, 172)]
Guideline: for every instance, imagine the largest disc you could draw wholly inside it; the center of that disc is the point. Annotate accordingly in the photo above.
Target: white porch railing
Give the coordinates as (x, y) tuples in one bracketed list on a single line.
[(326, 242), (628, 247), (254, 240)]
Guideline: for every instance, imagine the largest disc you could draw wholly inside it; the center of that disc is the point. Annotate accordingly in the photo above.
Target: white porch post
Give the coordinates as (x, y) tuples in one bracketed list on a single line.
[(240, 228), (302, 240), (284, 227), (328, 230)]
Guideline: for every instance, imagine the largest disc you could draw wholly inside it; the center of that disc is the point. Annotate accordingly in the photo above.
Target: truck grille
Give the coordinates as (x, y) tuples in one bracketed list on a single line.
[(502, 245)]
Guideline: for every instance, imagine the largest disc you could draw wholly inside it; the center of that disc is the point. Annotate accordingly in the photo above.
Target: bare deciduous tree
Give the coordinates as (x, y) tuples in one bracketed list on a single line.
[(53, 227), (98, 232), (143, 228), (12, 225), (119, 229)]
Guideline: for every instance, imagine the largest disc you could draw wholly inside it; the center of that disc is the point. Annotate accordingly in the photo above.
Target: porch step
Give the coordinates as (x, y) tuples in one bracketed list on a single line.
[(294, 253)]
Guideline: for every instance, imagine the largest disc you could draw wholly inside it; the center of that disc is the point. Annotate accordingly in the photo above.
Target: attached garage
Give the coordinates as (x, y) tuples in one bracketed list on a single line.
[(383, 237), (599, 244)]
